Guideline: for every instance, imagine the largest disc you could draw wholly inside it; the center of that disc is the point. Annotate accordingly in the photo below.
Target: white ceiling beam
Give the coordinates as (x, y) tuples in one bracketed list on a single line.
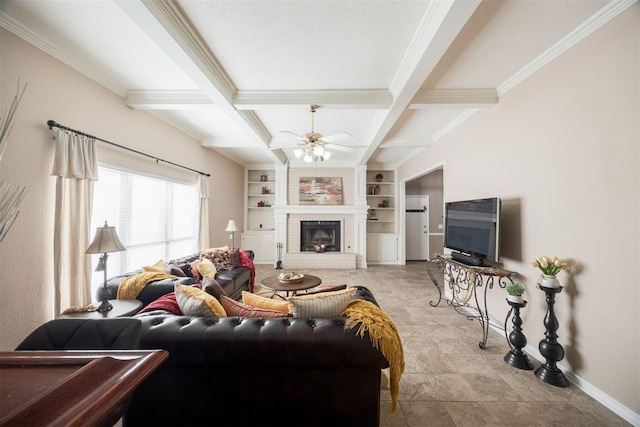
[(464, 98), (167, 99), (441, 23), (374, 99), (357, 98), (165, 23)]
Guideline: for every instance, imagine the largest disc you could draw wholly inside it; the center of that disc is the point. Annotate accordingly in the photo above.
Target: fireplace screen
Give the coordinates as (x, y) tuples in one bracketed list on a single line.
[(314, 234)]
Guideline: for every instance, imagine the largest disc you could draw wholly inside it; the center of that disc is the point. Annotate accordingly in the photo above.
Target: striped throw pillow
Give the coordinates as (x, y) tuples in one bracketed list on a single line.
[(236, 308), (325, 304)]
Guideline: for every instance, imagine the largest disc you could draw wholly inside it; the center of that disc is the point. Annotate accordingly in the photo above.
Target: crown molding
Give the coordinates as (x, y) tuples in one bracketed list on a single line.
[(601, 17), (454, 123), (41, 43), (466, 98)]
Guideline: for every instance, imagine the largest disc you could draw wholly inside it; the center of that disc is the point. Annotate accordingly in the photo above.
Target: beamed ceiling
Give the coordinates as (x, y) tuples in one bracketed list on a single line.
[(395, 74)]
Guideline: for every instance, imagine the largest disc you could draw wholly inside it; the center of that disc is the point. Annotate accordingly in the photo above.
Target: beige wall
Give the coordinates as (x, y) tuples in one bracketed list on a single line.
[(562, 151), (57, 92)]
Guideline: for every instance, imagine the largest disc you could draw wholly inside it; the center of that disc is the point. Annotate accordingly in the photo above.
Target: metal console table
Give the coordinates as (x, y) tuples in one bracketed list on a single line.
[(464, 281)]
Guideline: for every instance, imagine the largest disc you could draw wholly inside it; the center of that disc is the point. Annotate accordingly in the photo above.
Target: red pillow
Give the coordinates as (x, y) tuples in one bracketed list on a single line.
[(166, 302)]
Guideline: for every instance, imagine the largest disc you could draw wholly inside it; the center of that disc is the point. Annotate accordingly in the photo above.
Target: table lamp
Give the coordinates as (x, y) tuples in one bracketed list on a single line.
[(105, 241), (231, 227)]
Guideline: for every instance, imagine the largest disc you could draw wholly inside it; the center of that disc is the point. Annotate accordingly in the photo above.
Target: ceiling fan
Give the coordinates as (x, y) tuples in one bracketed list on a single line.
[(312, 145)]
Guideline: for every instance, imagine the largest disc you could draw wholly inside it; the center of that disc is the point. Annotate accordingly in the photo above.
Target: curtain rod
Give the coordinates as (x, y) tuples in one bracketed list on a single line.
[(53, 123)]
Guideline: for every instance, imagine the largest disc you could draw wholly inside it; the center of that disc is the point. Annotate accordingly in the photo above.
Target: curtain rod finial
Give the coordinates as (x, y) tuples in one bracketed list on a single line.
[(51, 124)]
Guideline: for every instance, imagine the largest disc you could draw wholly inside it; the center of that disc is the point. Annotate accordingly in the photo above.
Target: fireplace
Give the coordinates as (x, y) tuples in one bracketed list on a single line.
[(317, 233)]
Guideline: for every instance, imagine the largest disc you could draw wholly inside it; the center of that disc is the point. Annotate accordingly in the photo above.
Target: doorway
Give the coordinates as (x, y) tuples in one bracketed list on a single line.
[(417, 227), (431, 184)]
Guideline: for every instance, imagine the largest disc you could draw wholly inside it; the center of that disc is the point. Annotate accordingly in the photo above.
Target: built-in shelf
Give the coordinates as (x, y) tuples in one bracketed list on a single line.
[(260, 195)]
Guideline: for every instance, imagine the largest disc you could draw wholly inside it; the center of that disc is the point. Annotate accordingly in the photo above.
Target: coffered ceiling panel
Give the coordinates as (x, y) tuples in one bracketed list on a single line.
[(396, 75)]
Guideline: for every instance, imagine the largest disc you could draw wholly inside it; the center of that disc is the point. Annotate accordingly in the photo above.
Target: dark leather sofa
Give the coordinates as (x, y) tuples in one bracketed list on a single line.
[(233, 371), (232, 281)]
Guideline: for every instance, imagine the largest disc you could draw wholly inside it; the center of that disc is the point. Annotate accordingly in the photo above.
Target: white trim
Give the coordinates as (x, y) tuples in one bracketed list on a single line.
[(30, 36), (601, 17), (618, 408), (454, 123)]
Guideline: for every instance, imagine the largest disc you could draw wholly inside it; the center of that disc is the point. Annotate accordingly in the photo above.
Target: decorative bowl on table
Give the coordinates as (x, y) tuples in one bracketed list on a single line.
[(290, 277)]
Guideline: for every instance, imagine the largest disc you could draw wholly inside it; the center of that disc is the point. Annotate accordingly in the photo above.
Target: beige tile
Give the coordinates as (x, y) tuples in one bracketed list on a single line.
[(471, 414), (421, 414), (540, 414), (472, 387), (448, 379)]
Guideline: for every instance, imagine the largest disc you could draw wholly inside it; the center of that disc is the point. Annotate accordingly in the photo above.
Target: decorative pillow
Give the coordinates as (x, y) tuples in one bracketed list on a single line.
[(186, 269), (166, 302), (160, 266), (236, 308), (266, 303), (206, 268), (220, 259), (195, 273), (175, 270), (196, 302), (325, 288), (234, 253), (325, 304), (212, 287)]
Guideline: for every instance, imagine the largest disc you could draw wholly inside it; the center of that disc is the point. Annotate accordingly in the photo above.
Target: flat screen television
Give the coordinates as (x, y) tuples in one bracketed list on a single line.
[(472, 230)]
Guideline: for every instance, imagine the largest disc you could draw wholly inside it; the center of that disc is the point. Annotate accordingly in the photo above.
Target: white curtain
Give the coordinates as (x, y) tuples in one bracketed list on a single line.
[(203, 229), (76, 167)]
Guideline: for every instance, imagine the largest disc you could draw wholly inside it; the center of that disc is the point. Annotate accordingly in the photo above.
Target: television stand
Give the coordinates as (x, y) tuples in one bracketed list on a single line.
[(464, 281)]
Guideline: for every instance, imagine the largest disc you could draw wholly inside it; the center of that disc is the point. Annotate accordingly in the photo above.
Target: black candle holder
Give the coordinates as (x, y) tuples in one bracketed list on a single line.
[(517, 340), (549, 347)]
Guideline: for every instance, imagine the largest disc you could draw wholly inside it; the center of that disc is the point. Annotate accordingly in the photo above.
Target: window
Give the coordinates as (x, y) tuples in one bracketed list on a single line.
[(154, 218)]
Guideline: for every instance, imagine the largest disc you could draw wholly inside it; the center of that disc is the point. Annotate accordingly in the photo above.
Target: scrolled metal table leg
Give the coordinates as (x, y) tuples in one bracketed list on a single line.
[(438, 264)]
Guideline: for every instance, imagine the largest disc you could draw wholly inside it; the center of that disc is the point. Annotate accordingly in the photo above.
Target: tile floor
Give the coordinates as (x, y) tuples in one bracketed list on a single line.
[(448, 380)]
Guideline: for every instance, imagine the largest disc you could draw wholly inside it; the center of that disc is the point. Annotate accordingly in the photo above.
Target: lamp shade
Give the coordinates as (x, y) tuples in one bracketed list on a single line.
[(106, 240), (231, 226)]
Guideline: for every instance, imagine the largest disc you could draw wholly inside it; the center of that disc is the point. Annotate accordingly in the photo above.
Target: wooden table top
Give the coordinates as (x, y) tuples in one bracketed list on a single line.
[(70, 388), (308, 282)]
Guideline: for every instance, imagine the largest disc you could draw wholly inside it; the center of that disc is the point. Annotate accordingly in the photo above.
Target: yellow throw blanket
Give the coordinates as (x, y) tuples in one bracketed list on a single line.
[(384, 336), (131, 287)]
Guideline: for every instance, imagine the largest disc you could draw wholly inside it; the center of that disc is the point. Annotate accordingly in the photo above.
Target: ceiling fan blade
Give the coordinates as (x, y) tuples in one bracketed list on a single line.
[(337, 137)]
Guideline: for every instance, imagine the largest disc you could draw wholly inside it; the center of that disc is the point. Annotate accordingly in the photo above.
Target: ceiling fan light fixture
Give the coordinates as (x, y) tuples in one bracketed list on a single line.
[(298, 152), (308, 158), (326, 155), (318, 150)]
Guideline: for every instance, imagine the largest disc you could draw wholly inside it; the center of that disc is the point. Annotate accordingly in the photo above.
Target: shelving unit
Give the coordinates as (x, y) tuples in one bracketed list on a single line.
[(259, 223), (259, 201), (381, 199), (382, 240)]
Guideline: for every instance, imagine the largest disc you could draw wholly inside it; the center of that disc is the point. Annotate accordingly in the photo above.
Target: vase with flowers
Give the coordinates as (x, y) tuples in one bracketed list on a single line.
[(550, 267)]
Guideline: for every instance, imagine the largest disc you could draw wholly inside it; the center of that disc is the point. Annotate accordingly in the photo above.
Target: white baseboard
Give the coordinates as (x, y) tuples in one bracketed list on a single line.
[(618, 408)]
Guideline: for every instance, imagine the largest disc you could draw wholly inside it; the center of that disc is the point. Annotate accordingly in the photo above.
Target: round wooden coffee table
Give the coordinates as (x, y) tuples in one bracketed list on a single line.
[(274, 284)]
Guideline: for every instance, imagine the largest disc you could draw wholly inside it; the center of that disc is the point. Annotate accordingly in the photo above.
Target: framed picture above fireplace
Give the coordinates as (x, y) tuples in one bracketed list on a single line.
[(321, 191)]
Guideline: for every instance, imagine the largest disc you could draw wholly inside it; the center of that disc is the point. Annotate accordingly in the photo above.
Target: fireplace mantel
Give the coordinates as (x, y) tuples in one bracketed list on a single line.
[(321, 209), (354, 219)]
